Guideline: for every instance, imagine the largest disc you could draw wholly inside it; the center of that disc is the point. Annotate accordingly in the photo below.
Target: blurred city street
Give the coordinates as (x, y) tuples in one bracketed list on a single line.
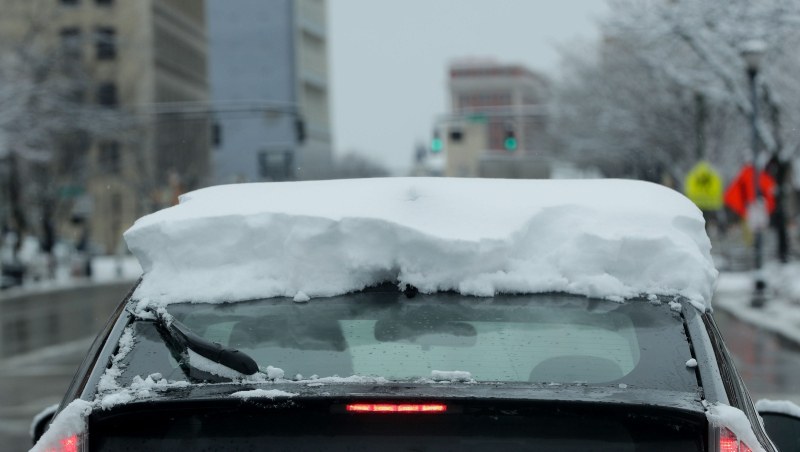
[(111, 113)]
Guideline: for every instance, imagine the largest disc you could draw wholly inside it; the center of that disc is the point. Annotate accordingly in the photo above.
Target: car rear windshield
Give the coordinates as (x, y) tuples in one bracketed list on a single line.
[(517, 338)]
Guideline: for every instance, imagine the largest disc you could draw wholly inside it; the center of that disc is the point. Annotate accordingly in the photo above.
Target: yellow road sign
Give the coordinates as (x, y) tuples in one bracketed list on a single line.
[(704, 187)]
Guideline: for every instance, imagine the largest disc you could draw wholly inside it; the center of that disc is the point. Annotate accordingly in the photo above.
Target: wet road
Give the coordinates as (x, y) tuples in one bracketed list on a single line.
[(769, 364), (31, 382), (44, 336)]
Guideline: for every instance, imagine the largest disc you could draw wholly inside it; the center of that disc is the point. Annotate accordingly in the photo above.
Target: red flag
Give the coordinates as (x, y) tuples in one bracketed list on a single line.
[(741, 192)]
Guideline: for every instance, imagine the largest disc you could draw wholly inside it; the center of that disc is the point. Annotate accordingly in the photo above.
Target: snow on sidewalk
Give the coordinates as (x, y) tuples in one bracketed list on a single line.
[(115, 268), (780, 314)]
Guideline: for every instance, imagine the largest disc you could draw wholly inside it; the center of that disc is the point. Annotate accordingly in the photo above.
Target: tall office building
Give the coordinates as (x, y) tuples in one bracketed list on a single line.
[(135, 56), (269, 87)]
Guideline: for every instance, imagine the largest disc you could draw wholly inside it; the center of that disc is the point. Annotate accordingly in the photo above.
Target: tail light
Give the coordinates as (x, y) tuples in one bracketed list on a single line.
[(68, 444), (397, 407), (728, 442)]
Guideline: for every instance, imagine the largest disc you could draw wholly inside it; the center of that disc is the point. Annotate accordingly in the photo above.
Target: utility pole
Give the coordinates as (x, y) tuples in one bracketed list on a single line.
[(700, 125), (752, 54)]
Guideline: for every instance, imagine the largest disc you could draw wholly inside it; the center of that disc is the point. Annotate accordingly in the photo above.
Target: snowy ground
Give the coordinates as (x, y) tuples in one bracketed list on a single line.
[(781, 312), (112, 268), (105, 269)]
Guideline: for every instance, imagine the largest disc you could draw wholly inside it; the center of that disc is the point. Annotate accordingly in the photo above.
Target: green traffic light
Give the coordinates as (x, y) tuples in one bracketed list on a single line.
[(437, 145), (510, 143)]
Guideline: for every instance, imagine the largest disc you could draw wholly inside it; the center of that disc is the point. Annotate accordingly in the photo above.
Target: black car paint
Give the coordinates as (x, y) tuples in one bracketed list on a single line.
[(316, 420), (720, 383)]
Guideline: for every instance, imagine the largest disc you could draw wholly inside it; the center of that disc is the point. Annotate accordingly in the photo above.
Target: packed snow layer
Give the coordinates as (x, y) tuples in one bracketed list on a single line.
[(603, 238), (450, 375), (206, 365), (70, 421), (263, 394), (778, 406)]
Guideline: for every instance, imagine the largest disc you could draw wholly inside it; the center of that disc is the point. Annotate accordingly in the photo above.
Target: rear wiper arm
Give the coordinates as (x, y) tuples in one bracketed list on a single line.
[(179, 339)]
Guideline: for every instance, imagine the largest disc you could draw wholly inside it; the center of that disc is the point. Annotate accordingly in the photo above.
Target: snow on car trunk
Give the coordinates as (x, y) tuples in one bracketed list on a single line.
[(603, 238)]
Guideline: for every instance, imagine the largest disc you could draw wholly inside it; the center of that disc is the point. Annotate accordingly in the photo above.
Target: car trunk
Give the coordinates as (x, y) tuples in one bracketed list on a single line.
[(395, 424)]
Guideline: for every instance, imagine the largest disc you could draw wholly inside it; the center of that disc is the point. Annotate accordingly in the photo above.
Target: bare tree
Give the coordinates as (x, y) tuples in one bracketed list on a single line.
[(45, 122), (667, 84)]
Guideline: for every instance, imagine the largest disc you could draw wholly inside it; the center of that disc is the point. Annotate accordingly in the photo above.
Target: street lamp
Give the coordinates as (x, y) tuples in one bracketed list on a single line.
[(752, 53)]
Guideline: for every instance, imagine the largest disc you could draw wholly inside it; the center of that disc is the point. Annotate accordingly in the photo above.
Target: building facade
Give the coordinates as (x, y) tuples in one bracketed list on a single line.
[(133, 56), (270, 90), (490, 103)]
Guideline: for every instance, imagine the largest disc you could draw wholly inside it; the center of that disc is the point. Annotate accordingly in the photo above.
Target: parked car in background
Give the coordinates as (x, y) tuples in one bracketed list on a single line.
[(423, 314)]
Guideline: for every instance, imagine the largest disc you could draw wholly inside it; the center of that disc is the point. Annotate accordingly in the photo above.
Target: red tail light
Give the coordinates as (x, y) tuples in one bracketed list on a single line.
[(68, 444), (728, 442), (397, 408)]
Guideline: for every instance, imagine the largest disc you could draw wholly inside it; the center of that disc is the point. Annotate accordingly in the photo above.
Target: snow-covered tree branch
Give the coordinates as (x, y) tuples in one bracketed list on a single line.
[(668, 81), (46, 122)]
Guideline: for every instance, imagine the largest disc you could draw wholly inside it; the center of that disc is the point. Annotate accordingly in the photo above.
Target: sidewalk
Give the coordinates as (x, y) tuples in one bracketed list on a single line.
[(780, 314), (105, 269)]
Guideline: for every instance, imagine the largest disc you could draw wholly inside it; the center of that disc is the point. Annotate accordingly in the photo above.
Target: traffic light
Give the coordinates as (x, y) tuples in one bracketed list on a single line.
[(436, 143), (510, 141)]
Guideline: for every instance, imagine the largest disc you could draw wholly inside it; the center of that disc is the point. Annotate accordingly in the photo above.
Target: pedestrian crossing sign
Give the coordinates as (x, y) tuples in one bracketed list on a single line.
[(703, 186)]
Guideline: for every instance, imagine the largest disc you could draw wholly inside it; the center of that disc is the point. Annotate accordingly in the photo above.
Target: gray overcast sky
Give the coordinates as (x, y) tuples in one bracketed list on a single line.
[(388, 60)]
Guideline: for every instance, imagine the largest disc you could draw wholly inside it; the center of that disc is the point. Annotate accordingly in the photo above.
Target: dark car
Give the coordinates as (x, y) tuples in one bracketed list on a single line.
[(420, 315), (515, 372)]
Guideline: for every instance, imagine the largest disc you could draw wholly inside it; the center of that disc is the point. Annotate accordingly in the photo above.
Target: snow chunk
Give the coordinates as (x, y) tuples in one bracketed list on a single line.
[(353, 379), (450, 375), (206, 365), (721, 415), (70, 421), (140, 388), (144, 387), (108, 381), (263, 394), (675, 306), (125, 344), (115, 398), (301, 297), (274, 373), (778, 406), (613, 239), (691, 363), (141, 310)]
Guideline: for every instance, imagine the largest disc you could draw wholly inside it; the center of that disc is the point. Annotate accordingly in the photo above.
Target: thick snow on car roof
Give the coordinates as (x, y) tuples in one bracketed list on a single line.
[(613, 239)]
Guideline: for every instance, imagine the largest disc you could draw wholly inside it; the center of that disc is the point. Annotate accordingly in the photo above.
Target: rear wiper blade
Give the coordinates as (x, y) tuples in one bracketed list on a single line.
[(179, 339)]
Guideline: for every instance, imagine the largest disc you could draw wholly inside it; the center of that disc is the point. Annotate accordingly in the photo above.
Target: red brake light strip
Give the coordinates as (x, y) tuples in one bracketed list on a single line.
[(397, 407)]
